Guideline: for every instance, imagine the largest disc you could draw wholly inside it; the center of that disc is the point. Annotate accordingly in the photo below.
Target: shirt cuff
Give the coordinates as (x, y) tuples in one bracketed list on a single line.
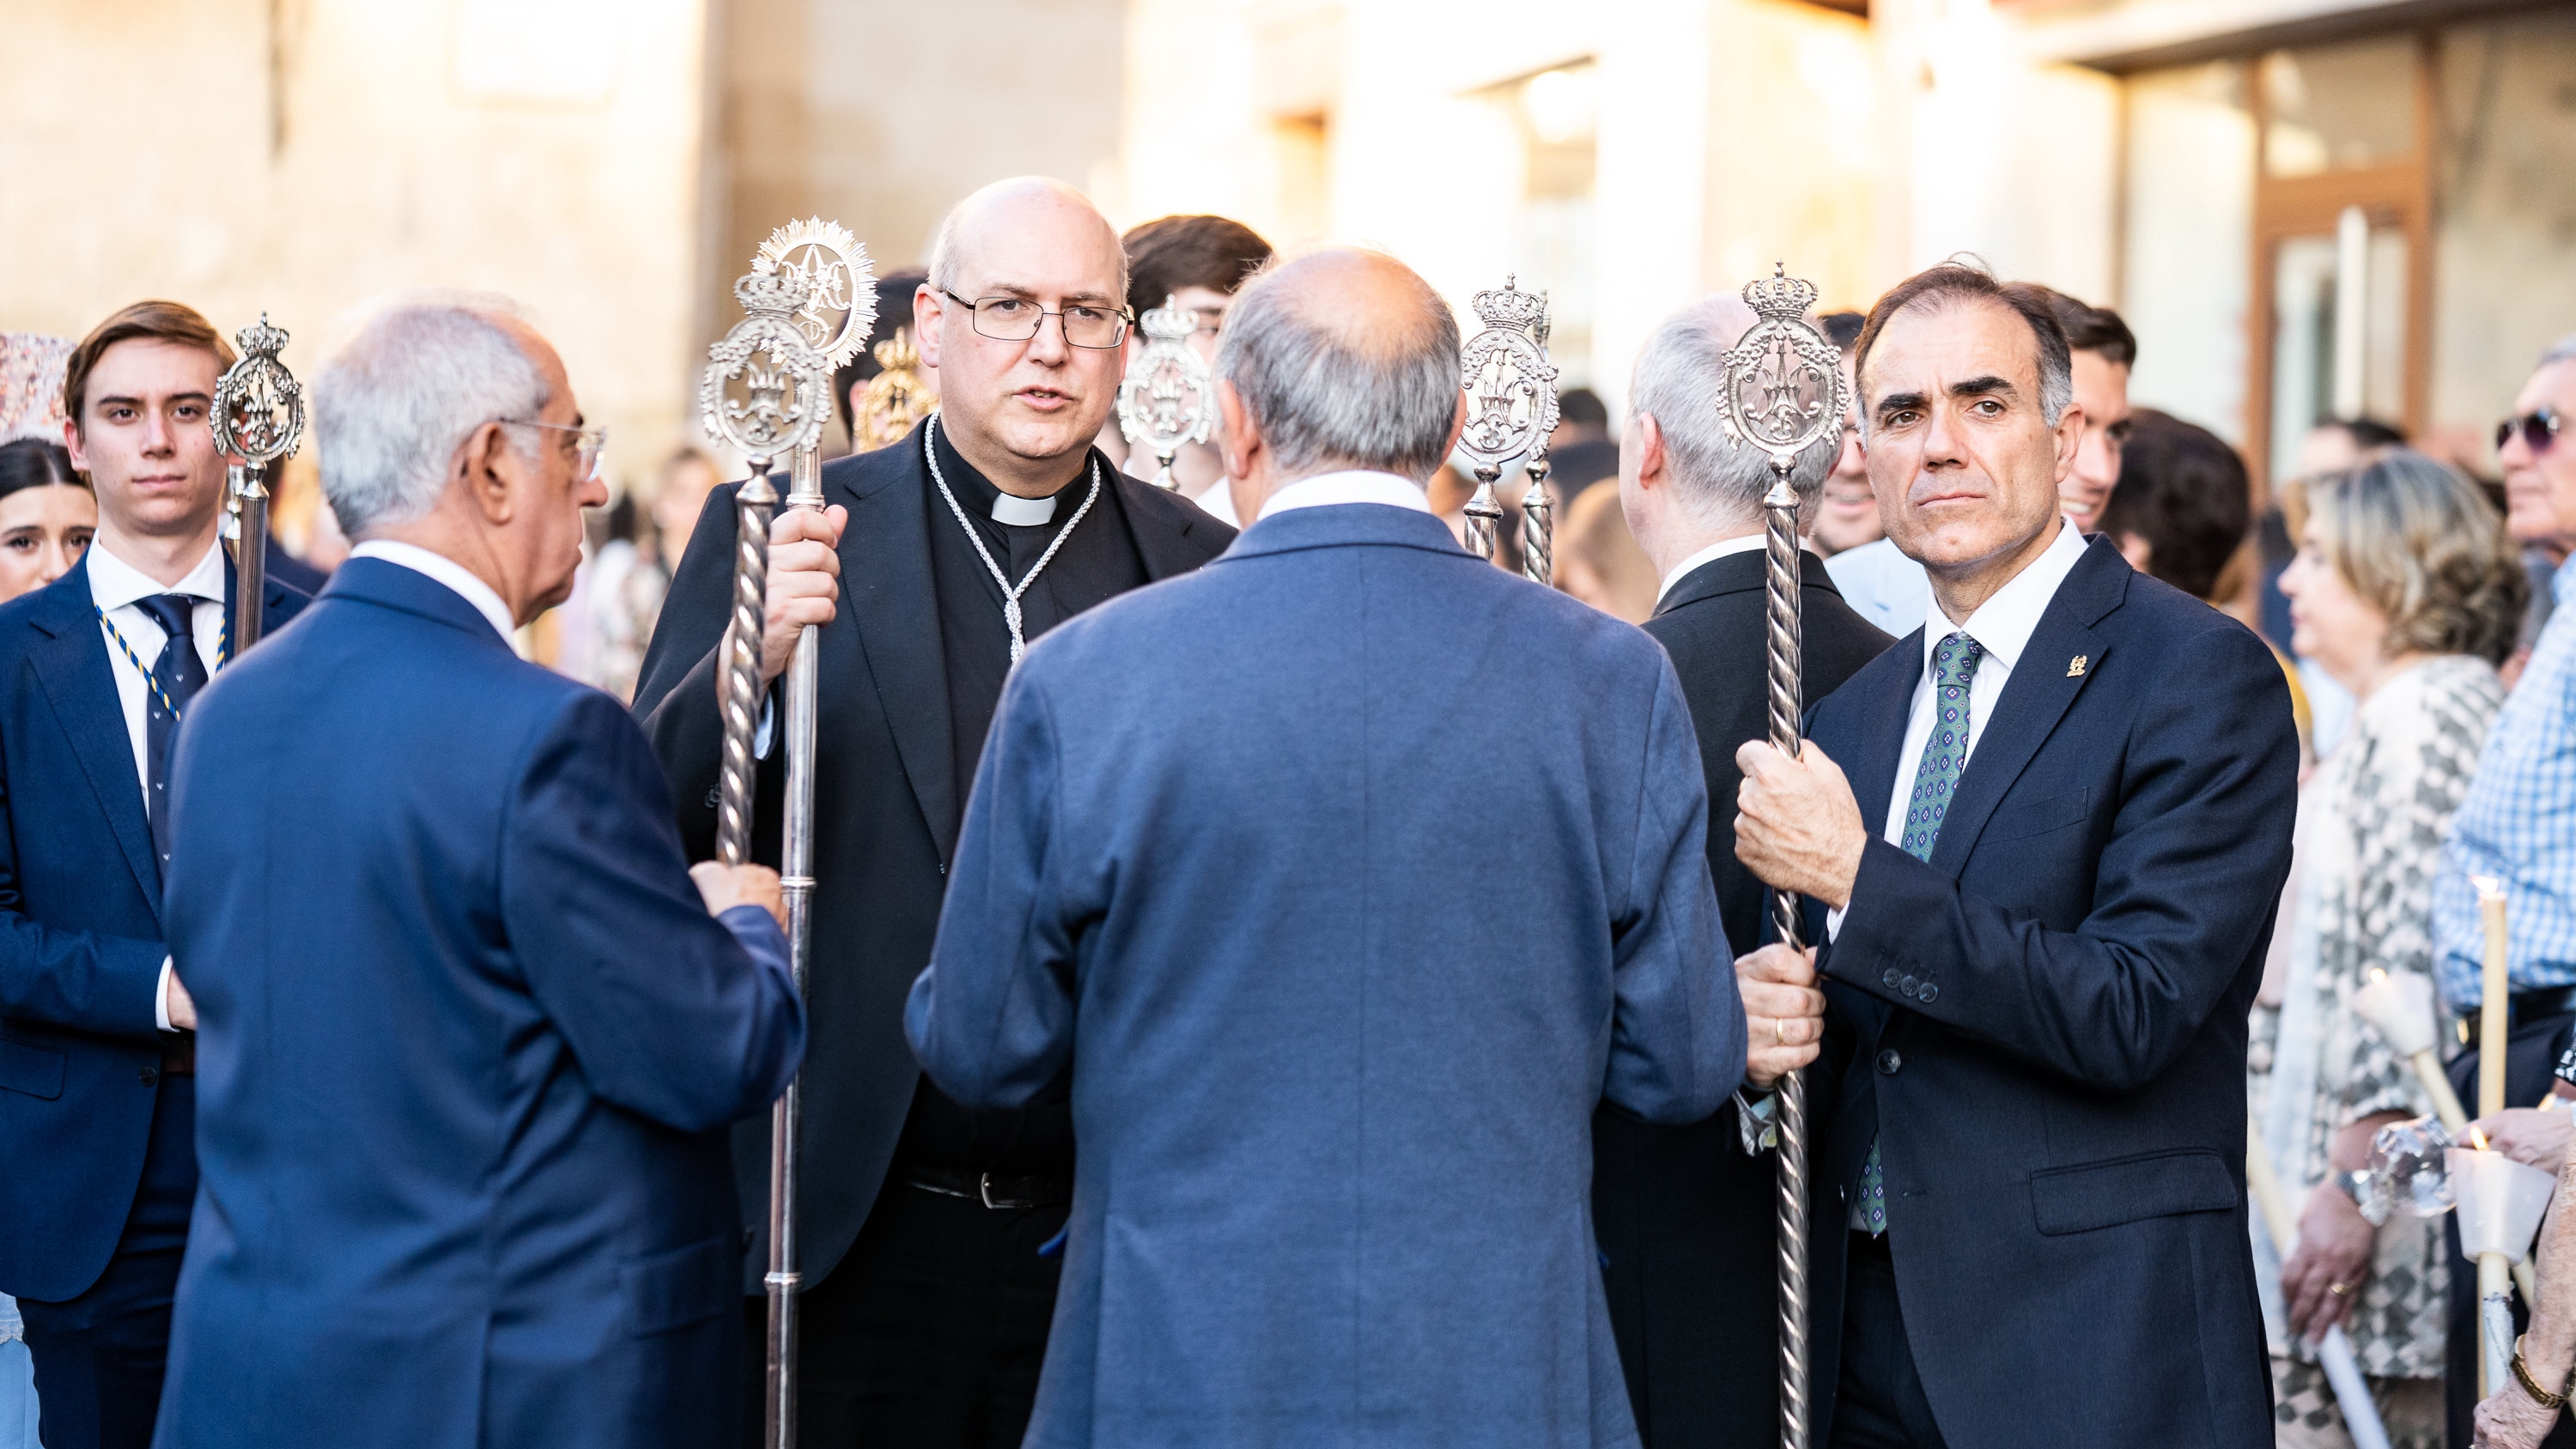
[(161, 999), (1753, 1124), (1834, 923), (766, 730)]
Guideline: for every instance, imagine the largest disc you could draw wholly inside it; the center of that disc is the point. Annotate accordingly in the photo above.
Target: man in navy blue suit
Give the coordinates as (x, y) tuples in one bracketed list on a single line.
[(471, 1039), (97, 1095), (1335, 1096), (2047, 886)]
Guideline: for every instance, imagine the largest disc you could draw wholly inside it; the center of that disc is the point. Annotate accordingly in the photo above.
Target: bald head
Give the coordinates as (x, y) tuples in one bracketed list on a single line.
[(1017, 207), (1345, 359)]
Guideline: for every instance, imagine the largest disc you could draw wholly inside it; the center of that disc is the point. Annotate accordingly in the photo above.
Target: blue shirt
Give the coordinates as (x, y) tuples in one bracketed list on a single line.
[(2518, 824)]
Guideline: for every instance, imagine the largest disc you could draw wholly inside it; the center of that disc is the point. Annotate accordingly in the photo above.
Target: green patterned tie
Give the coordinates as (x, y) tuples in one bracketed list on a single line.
[(1945, 754)]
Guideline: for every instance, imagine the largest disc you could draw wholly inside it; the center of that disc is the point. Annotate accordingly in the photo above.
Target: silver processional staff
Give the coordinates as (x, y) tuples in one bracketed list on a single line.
[(1167, 397), (1783, 393), (1511, 406), (258, 418)]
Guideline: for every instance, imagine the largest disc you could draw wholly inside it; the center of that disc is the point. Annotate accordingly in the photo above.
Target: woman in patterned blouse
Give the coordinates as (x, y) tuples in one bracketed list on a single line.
[(2406, 592)]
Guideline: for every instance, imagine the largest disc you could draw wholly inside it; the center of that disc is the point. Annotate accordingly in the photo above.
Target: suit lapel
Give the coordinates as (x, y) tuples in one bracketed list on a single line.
[(1891, 703), (2045, 681), (886, 579), (1165, 551), (71, 661)]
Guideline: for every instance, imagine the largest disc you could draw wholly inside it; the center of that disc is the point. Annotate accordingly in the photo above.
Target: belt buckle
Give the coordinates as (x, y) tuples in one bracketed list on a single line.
[(984, 1191)]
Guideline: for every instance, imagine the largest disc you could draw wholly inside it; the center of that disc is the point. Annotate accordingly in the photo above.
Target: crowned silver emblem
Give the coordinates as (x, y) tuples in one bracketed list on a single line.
[(1784, 379), (1167, 398), (838, 304), (1511, 396), (259, 406), (766, 389)]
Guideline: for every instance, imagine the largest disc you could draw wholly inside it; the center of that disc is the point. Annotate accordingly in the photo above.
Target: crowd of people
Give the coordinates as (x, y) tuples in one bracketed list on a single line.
[(418, 1093)]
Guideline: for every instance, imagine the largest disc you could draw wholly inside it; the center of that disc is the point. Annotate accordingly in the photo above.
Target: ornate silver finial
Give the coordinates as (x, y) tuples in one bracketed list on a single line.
[(837, 303), (1511, 396), (1167, 397), (765, 390), (1783, 391), (258, 413)]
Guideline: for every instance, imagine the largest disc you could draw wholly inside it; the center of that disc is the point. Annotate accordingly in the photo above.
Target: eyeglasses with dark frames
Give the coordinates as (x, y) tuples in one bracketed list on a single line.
[(1017, 319), (2539, 429)]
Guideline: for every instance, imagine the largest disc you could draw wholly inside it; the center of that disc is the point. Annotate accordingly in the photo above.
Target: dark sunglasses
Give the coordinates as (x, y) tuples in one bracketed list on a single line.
[(2539, 430)]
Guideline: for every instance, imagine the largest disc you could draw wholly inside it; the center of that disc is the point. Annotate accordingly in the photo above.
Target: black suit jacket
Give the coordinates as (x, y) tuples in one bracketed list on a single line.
[(886, 811), (2043, 1027), (1685, 1217)]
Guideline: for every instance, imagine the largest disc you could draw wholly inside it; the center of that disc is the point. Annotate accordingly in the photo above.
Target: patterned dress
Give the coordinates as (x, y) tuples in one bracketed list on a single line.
[(2370, 841)]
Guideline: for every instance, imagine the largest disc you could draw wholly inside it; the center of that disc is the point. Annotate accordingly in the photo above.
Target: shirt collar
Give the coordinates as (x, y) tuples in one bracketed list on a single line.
[(2003, 624), (114, 583), (445, 570), (1350, 485), (2562, 585), (1744, 543), (978, 494)]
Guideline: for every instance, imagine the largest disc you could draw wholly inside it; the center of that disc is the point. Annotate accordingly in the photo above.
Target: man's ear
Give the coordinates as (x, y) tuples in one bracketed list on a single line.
[(927, 308), (1238, 442), (1457, 424), (2070, 437), (481, 467), (1650, 450), (72, 444)]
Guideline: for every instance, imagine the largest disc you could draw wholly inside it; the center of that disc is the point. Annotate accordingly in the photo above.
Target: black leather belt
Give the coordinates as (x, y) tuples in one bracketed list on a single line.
[(991, 1191), (2521, 1007)]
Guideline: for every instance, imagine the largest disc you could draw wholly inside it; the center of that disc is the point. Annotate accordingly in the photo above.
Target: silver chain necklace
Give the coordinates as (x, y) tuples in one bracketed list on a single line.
[(1010, 592)]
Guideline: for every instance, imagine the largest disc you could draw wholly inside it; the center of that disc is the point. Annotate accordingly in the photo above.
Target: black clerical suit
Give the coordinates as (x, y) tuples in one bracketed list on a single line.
[(925, 1311), (1685, 1217)]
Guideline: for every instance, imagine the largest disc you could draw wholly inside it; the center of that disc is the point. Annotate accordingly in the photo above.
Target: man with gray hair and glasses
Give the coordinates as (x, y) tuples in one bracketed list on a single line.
[(926, 1299), (1687, 1212), (469, 1036), (1335, 1095)]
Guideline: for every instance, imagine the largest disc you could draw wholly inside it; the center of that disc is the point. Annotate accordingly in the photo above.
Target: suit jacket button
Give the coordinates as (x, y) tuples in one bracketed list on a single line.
[(1888, 1062), (1905, 987), (147, 1076), (1929, 991), (1890, 978)]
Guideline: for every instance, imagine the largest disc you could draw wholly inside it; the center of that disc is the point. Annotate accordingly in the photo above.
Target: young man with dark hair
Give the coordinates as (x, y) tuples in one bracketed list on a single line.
[(1199, 262), (97, 1056), (1884, 584), (2184, 504)]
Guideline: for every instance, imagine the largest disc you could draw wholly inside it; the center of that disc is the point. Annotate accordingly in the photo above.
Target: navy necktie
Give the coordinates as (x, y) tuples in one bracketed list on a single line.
[(176, 677)]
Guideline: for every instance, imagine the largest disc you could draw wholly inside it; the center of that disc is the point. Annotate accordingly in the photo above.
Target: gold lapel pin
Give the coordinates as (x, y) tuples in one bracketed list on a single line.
[(2075, 666)]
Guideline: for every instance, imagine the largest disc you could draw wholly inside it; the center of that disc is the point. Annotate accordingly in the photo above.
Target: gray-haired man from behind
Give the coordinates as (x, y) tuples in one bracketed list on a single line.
[(1687, 1215), (1336, 1110)]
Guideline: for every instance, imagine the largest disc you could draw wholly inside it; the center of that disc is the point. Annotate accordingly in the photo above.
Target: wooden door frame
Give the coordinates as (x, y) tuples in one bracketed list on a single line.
[(2399, 194)]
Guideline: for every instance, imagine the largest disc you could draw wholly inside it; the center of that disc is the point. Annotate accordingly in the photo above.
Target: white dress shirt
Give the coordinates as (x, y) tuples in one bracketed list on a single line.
[(1351, 485), (114, 586), (2002, 627), (447, 571), (1748, 543)]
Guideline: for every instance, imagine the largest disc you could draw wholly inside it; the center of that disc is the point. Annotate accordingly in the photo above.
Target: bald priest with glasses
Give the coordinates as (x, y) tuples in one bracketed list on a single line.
[(927, 1297)]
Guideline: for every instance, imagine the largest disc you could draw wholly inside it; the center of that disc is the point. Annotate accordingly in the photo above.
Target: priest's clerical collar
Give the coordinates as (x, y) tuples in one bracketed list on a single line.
[(977, 494)]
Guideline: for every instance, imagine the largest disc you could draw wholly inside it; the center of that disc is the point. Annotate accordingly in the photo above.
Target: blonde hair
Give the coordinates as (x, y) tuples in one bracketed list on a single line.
[(2417, 541), (1596, 533)]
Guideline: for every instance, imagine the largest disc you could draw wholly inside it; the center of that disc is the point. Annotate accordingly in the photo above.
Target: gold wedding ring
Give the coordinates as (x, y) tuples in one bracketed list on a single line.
[(2338, 1289)]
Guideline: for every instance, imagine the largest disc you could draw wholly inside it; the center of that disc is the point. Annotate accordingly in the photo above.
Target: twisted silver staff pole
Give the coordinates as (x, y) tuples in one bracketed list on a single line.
[(753, 504), (1538, 525), (1783, 393), (832, 306), (1782, 632), (257, 417)]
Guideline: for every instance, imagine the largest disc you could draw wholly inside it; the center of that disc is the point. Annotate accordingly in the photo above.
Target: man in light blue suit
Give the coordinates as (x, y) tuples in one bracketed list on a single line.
[(468, 1039), (1349, 875)]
